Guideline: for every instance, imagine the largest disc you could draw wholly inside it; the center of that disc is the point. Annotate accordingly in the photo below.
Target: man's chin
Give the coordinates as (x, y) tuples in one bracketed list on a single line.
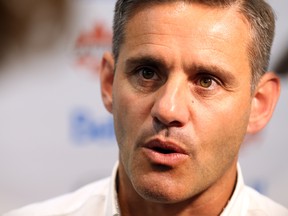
[(160, 189)]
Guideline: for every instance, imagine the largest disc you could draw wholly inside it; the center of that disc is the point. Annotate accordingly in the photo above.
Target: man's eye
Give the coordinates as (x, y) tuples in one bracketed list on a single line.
[(145, 78), (208, 82), (147, 73), (205, 82)]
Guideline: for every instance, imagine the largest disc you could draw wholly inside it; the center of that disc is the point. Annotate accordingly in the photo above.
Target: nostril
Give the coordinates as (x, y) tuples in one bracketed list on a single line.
[(161, 124), (175, 124)]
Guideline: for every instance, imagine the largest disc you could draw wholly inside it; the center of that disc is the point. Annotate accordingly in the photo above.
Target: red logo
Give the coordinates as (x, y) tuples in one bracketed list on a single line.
[(91, 45)]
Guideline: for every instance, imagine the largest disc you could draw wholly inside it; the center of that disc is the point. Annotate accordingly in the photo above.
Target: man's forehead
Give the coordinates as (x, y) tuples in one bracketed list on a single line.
[(186, 11), (198, 34), (192, 21)]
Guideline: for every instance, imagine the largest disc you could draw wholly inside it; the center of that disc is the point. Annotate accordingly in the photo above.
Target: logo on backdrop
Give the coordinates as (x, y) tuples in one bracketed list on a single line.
[(86, 130), (90, 46)]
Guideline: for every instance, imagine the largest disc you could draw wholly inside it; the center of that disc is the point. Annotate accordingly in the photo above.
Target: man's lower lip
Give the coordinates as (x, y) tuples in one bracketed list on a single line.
[(171, 159)]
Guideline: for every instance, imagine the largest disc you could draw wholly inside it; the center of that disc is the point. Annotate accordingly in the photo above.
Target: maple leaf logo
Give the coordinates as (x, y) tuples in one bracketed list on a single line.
[(90, 46)]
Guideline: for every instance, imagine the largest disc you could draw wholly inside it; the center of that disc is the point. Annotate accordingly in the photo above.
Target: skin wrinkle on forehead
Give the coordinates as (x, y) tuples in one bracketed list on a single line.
[(181, 6), (217, 28)]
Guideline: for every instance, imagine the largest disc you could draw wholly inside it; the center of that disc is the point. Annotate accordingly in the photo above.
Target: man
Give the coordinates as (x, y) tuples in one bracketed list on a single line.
[(185, 83)]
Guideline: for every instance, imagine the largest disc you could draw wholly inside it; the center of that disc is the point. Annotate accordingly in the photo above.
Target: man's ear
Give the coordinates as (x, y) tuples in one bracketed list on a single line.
[(106, 79), (263, 102)]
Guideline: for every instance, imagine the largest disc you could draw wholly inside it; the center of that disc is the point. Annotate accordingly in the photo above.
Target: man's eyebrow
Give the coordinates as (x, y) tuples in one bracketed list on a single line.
[(225, 75), (145, 60), (209, 68)]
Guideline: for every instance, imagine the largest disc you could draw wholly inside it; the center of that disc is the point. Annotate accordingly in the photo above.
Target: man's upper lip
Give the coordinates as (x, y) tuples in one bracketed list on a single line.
[(164, 146)]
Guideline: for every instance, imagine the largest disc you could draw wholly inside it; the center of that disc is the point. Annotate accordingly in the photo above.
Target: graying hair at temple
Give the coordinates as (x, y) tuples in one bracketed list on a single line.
[(258, 13)]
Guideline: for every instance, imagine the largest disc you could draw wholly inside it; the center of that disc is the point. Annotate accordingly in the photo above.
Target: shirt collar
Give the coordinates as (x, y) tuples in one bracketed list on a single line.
[(237, 205), (112, 206)]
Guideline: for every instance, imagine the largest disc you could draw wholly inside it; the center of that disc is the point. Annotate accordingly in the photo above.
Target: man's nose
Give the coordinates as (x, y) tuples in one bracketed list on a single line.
[(171, 106)]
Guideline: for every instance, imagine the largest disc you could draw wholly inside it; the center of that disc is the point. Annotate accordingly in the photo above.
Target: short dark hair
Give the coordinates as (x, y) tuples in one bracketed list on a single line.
[(258, 13)]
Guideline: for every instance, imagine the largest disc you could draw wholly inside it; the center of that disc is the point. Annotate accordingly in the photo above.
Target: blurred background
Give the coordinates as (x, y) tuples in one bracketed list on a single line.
[(55, 135)]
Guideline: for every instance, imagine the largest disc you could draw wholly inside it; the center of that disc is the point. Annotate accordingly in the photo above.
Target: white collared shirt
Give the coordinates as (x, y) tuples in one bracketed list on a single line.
[(100, 198)]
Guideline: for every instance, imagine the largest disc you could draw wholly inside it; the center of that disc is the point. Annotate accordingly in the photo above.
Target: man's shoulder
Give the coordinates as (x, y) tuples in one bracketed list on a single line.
[(93, 194), (262, 205)]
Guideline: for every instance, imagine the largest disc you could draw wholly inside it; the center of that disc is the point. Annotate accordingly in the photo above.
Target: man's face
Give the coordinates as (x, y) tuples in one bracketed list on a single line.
[(181, 98)]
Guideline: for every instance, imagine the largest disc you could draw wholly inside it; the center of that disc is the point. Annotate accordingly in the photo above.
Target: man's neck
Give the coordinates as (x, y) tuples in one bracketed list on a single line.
[(210, 202)]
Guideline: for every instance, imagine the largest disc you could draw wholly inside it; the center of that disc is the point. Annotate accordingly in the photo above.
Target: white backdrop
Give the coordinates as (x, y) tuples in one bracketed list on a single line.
[(56, 136)]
